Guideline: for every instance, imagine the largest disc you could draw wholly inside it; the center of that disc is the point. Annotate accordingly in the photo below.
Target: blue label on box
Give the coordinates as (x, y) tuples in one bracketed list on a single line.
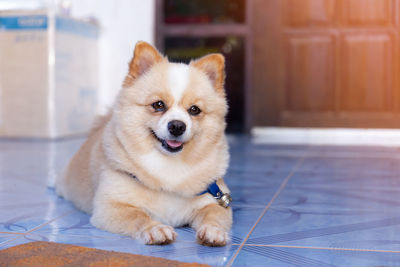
[(40, 22), (32, 22), (76, 27)]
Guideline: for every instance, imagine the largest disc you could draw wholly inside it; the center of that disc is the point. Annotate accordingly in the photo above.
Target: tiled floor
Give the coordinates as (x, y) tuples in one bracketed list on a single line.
[(293, 206)]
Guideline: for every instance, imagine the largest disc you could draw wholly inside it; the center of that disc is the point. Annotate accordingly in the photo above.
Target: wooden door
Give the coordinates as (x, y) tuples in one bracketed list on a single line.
[(326, 63)]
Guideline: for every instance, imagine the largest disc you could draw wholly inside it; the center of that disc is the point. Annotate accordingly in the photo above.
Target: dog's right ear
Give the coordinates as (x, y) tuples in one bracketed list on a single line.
[(144, 57)]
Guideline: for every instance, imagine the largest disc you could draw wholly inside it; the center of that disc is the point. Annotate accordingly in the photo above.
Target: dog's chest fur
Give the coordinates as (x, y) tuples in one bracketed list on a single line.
[(170, 173)]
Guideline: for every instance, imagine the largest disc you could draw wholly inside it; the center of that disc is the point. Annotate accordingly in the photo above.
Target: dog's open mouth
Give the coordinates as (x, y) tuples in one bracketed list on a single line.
[(169, 145)]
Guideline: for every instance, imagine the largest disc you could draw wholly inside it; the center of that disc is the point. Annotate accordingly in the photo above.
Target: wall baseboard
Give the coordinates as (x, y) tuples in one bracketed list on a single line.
[(327, 136)]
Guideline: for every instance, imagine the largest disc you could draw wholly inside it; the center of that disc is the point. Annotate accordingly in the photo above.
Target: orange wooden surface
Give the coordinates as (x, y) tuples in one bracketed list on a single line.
[(331, 63)]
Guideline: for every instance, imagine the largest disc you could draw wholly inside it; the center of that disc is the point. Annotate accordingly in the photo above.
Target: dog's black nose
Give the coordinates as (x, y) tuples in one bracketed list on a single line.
[(176, 128)]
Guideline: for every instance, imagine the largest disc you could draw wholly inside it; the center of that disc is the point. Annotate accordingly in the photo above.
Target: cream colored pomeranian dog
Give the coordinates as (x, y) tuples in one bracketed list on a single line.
[(156, 161)]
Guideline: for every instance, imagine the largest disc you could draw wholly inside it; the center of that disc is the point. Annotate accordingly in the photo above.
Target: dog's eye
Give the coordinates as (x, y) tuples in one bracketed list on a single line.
[(194, 110), (158, 106)]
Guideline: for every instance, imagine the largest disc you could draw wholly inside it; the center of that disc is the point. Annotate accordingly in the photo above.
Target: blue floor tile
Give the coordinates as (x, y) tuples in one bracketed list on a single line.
[(285, 257), (26, 206), (254, 188), (340, 206), (347, 165), (6, 238), (341, 210)]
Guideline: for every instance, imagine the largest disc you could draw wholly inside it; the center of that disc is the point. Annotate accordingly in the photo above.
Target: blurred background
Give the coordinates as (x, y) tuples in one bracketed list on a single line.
[(302, 75), (290, 63)]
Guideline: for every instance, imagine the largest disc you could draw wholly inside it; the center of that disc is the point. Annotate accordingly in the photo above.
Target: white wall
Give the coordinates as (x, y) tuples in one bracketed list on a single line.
[(123, 23)]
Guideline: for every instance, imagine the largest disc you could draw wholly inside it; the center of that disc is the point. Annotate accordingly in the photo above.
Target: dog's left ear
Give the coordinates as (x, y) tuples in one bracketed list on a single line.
[(213, 66), (144, 57)]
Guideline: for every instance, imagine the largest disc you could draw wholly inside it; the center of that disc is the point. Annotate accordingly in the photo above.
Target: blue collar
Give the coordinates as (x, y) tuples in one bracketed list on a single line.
[(213, 189), (224, 199)]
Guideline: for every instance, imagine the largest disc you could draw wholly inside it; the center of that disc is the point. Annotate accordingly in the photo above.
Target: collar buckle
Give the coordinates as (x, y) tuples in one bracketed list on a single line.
[(224, 200)]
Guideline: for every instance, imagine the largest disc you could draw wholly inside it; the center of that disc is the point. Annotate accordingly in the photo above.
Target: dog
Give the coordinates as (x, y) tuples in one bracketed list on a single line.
[(157, 159)]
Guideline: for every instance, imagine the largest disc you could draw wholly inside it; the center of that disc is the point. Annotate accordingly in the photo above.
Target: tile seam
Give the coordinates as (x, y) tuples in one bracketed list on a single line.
[(21, 235), (325, 248), (10, 240), (280, 189), (50, 221), (12, 233)]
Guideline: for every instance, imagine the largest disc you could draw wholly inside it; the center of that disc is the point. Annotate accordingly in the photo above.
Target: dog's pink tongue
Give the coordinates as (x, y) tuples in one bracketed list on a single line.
[(172, 143)]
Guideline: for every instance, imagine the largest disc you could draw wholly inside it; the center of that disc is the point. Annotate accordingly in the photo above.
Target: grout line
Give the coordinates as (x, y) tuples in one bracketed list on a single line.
[(10, 240), (21, 235), (12, 233), (326, 248), (52, 220), (285, 181)]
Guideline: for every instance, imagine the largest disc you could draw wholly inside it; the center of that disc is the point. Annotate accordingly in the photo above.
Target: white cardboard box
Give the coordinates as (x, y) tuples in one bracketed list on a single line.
[(48, 75)]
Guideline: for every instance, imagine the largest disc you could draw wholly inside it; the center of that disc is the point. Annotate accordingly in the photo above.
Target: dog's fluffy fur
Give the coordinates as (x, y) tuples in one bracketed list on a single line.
[(129, 140)]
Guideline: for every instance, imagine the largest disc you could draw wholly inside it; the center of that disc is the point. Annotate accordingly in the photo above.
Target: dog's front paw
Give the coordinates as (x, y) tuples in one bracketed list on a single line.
[(212, 236), (158, 234)]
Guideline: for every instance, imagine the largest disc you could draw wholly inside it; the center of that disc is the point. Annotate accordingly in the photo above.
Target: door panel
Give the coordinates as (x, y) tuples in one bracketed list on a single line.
[(309, 12), (367, 12), (307, 55), (367, 72), (326, 63)]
